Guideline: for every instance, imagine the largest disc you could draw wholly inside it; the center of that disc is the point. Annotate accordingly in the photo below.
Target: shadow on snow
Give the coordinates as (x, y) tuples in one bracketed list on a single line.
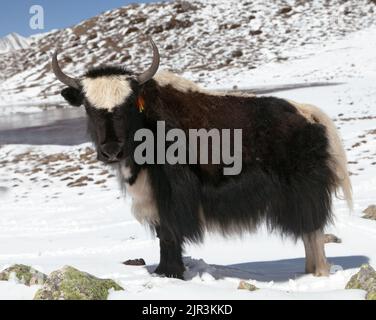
[(278, 271)]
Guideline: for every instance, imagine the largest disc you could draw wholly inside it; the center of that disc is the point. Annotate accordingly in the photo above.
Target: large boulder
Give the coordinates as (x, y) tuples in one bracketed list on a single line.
[(69, 283), (23, 274), (370, 212), (365, 279)]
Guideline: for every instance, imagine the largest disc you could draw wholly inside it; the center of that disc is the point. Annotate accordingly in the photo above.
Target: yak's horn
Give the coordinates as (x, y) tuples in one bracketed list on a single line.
[(148, 74), (61, 76)]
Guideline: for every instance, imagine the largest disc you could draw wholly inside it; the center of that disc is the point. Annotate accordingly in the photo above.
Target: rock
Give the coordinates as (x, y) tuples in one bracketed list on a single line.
[(229, 26), (228, 61), (331, 238), (237, 53), (365, 279), (132, 29), (155, 29), (91, 36), (285, 10), (178, 24), (138, 19), (184, 6), (243, 285), (347, 11), (135, 262), (69, 283), (24, 274), (370, 212), (255, 32)]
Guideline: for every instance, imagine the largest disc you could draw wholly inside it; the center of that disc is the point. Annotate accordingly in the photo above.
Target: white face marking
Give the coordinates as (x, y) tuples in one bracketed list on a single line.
[(106, 92)]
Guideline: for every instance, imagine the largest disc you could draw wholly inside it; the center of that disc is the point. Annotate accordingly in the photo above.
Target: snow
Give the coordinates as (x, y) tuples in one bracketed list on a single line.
[(46, 224), (14, 291), (13, 42)]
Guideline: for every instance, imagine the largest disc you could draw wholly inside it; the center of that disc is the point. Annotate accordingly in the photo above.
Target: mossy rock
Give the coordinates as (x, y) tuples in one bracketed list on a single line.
[(69, 283), (243, 285), (365, 279), (24, 274)]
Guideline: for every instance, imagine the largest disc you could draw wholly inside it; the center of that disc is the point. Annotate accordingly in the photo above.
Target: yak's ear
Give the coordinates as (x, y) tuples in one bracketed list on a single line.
[(73, 96)]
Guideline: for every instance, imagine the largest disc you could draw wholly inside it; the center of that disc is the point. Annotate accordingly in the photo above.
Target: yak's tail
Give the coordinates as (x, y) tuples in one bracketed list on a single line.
[(336, 149)]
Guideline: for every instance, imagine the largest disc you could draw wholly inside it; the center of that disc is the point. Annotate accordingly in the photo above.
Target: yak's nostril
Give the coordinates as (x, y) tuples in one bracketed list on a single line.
[(112, 151)]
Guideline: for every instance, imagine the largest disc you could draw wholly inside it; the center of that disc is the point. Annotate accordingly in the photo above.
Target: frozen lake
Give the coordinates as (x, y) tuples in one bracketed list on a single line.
[(57, 127)]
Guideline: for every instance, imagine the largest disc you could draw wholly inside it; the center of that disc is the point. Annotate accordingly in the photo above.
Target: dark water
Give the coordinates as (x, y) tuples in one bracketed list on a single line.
[(56, 127)]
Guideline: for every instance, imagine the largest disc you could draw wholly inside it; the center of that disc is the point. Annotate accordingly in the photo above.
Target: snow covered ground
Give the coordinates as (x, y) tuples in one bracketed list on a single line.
[(60, 207)]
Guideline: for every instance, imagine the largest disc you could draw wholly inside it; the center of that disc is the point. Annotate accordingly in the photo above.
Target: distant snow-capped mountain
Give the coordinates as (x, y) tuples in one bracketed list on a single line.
[(13, 42)]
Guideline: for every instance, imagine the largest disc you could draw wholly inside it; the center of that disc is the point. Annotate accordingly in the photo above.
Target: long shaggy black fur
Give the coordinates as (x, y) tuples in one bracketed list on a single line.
[(286, 180)]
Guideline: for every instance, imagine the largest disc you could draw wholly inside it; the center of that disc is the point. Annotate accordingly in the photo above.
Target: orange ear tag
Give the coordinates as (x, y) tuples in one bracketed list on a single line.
[(140, 104)]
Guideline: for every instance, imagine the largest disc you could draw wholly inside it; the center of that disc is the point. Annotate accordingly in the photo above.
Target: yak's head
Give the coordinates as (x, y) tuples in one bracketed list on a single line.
[(108, 93)]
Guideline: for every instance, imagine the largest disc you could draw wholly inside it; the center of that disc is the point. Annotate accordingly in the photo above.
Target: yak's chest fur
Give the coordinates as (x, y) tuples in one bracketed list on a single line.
[(144, 206)]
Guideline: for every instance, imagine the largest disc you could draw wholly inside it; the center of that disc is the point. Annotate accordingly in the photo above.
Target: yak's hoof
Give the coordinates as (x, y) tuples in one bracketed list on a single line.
[(321, 271), (171, 271)]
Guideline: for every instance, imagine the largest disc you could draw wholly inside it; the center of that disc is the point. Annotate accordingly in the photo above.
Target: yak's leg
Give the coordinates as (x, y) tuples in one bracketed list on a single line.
[(310, 259), (316, 262), (171, 260)]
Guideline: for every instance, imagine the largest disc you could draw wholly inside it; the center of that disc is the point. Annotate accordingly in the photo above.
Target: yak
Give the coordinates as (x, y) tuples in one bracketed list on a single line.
[(293, 161)]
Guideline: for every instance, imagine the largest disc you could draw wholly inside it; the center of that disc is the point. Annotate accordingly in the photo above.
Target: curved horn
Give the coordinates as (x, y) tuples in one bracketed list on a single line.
[(148, 74), (61, 76)]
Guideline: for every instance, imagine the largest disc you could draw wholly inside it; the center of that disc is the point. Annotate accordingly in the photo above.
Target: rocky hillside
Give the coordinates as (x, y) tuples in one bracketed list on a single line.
[(205, 39)]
